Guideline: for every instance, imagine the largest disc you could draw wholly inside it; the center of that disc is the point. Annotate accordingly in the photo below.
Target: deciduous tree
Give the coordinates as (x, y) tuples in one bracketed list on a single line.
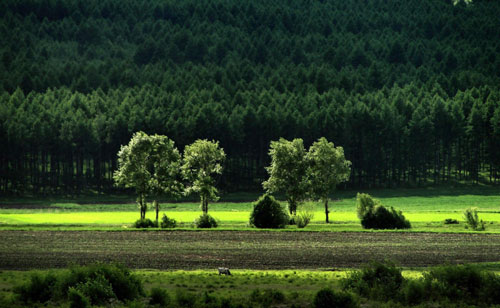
[(327, 167), (202, 161), (150, 164), (287, 171)]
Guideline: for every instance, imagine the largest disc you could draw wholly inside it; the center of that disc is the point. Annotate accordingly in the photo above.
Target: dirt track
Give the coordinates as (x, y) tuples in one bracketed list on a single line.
[(237, 249)]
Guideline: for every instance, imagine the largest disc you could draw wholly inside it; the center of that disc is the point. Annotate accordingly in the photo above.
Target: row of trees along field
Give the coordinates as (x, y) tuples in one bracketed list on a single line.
[(410, 89)]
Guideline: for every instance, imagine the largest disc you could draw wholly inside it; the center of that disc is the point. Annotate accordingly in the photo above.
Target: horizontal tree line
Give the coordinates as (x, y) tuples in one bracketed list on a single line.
[(61, 140), (358, 46)]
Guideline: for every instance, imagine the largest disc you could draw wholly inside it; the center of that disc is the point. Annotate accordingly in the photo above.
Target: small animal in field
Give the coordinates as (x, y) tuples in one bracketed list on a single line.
[(224, 270)]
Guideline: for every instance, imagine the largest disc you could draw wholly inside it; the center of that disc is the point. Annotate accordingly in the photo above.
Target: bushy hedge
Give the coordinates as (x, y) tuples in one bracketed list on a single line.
[(206, 221), (145, 223), (464, 285), (167, 222), (268, 213), (374, 215), (96, 284), (379, 281)]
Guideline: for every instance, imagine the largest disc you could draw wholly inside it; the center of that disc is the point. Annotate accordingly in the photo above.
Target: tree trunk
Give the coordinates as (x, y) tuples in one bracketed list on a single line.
[(326, 210), (292, 206), (157, 208), (204, 204), (142, 206)]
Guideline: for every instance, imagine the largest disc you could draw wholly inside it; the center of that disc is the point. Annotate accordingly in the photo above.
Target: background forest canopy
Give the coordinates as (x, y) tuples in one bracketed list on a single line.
[(410, 88)]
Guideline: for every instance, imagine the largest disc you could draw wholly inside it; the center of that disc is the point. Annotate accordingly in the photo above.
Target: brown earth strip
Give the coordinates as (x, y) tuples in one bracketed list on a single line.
[(238, 249)]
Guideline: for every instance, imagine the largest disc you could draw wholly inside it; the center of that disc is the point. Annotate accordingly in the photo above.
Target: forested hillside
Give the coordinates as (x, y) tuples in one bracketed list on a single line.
[(410, 89)]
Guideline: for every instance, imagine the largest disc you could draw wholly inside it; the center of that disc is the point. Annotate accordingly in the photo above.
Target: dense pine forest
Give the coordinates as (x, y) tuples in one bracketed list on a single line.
[(410, 89)]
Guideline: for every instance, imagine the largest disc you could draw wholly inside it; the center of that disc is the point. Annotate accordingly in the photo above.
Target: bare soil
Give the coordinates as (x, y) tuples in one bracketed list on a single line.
[(239, 249)]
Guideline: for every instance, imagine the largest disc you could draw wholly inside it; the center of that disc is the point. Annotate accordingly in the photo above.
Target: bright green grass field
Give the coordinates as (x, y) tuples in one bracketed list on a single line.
[(425, 208)]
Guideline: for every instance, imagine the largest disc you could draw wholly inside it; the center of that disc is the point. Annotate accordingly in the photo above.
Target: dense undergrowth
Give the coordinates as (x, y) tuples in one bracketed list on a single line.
[(376, 285)]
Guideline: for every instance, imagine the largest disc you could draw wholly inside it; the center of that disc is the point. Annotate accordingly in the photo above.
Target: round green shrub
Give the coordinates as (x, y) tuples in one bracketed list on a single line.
[(206, 221), (98, 289), (144, 223), (268, 213), (379, 281), (327, 298), (168, 222)]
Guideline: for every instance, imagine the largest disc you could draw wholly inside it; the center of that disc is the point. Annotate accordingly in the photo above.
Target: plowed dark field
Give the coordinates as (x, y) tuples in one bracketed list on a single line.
[(236, 249)]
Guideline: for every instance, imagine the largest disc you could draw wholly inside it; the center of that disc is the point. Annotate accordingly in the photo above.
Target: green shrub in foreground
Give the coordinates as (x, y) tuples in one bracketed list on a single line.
[(268, 213), (206, 221), (168, 222), (98, 290), (98, 284), (327, 298), (379, 281), (77, 299), (463, 283), (144, 223), (38, 289)]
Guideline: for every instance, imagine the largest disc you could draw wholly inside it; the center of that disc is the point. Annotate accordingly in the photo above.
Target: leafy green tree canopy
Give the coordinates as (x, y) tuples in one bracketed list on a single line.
[(287, 171), (202, 160), (150, 164), (327, 167)]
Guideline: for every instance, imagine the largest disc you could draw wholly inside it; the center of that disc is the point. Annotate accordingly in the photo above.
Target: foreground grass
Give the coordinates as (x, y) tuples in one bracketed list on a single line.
[(297, 286)]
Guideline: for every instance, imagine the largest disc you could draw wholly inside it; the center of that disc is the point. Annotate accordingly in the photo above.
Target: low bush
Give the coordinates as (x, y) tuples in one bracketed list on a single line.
[(144, 223), (77, 299), (375, 216), (268, 213), (472, 219), (413, 292), (125, 286), (379, 281), (159, 297), (365, 204), (39, 289), (98, 290), (463, 283), (450, 221), (304, 215), (168, 222), (206, 221), (327, 298), (97, 283)]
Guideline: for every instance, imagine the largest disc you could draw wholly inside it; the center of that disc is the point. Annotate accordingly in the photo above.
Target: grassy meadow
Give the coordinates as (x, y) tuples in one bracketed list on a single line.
[(425, 208)]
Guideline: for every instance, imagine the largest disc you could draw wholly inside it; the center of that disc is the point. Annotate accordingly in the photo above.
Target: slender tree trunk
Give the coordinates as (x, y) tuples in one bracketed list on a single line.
[(204, 204), (292, 206), (143, 206), (157, 208), (326, 210)]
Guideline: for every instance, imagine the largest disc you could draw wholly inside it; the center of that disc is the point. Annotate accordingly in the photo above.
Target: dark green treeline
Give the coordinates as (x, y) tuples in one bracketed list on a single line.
[(65, 140), (410, 89)]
